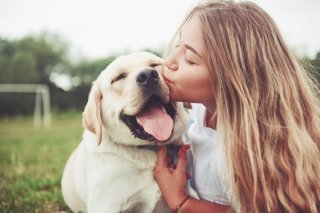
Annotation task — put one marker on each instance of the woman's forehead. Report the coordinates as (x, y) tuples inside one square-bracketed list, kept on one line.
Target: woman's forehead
[(191, 34)]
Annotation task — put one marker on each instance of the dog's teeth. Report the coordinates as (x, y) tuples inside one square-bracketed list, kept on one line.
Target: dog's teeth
[(163, 109)]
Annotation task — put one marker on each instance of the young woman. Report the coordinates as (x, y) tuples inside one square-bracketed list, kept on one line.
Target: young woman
[(255, 134)]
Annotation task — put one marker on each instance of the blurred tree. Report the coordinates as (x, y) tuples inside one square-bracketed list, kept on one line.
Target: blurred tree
[(43, 59), (6, 53), (22, 68), (29, 60), (49, 51), (85, 72), (82, 75), (33, 57)]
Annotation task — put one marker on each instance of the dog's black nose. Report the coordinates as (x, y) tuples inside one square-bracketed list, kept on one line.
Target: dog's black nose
[(147, 77)]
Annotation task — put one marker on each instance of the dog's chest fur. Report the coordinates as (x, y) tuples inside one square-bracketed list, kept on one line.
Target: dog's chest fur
[(122, 170)]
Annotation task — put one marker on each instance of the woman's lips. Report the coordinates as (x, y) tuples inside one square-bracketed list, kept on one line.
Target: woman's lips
[(166, 80)]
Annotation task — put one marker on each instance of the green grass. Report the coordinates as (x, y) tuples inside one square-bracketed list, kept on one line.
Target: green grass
[(32, 161)]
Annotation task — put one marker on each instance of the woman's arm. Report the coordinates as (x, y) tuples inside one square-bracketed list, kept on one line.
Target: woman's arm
[(172, 183)]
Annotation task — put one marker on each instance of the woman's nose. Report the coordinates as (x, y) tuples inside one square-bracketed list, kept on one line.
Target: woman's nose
[(171, 63)]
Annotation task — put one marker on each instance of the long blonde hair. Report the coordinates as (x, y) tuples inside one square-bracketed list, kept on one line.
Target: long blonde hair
[(267, 109)]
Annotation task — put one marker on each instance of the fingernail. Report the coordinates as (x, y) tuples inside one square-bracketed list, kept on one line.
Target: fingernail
[(187, 146), (182, 150)]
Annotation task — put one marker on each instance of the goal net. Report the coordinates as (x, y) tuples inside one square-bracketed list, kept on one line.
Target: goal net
[(41, 92)]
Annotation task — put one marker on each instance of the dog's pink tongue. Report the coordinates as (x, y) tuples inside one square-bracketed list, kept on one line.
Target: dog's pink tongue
[(156, 122)]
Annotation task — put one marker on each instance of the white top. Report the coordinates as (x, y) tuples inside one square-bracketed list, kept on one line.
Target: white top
[(208, 160)]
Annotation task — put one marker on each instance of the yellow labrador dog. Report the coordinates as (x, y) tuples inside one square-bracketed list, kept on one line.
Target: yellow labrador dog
[(127, 115)]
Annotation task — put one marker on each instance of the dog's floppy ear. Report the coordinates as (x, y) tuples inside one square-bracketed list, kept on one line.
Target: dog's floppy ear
[(91, 117)]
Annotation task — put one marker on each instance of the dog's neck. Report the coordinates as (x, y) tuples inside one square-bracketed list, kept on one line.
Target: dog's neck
[(146, 158), (153, 148), (142, 158), (172, 148), (172, 151)]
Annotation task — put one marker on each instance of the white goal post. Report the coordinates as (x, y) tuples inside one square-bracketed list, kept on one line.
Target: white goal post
[(42, 95)]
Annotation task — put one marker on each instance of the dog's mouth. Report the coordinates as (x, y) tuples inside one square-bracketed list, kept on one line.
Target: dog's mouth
[(154, 122)]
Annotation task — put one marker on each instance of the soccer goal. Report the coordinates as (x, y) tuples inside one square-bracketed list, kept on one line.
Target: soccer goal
[(42, 96)]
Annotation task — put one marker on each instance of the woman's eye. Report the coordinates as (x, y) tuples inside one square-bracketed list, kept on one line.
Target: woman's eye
[(189, 62), (119, 77)]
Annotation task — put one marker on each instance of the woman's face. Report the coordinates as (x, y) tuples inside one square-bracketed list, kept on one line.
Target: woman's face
[(186, 72)]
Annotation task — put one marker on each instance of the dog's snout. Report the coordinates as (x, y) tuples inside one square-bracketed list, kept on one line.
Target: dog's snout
[(147, 77)]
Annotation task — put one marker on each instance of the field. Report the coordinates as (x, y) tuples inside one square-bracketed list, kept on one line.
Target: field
[(32, 161)]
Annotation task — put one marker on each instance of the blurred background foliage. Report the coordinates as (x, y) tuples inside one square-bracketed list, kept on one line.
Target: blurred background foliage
[(44, 59)]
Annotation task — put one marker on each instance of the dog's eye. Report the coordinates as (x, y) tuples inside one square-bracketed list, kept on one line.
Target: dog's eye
[(119, 77), (154, 65)]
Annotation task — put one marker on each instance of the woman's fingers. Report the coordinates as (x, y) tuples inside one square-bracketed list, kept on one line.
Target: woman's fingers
[(164, 162), (187, 146), (158, 169), (162, 156), (182, 159)]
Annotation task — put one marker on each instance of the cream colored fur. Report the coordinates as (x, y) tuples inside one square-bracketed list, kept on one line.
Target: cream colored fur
[(108, 173)]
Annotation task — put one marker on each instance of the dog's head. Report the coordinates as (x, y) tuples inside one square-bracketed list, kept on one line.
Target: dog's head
[(130, 103)]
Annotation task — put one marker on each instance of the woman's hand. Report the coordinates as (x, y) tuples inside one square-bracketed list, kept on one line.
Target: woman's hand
[(172, 182)]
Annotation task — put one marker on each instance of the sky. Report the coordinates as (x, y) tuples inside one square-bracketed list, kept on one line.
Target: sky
[(96, 28)]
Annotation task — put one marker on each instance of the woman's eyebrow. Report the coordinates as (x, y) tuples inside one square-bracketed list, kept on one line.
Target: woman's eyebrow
[(193, 50)]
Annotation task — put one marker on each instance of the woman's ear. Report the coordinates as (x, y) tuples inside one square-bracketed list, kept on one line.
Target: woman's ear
[(91, 116)]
